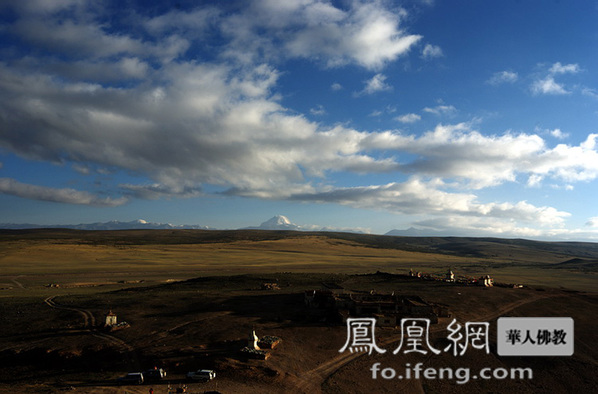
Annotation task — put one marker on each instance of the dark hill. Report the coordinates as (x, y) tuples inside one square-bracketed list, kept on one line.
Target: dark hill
[(578, 264)]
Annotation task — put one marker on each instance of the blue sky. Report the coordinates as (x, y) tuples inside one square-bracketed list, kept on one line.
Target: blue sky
[(453, 117)]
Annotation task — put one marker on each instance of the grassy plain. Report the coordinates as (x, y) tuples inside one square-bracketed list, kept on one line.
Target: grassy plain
[(109, 257)]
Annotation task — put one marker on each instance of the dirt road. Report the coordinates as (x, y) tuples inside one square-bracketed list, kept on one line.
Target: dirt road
[(16, 282)]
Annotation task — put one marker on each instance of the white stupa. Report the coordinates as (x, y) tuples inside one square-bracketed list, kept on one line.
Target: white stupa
[(253, 339)]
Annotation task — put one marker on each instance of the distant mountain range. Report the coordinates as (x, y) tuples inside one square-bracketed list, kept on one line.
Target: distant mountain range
[(278, 222), (112, 225)]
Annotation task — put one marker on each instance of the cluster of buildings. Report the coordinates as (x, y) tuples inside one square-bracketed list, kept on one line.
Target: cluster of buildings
[(333, 303), (484, 280), (388, 309)]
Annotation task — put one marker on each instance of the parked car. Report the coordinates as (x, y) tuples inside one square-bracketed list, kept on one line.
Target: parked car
[(131, 378), (202, 375), (154, 374)]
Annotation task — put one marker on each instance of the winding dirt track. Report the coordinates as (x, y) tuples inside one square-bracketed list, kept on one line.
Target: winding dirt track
[(89, 323), (16, 282), (311, 381), (88, 318)]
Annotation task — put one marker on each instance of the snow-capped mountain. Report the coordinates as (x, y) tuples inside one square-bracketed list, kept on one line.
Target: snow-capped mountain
[(278, 222)]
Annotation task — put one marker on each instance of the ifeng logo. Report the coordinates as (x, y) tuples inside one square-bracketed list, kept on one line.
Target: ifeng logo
[(416, 337), (515, 337)]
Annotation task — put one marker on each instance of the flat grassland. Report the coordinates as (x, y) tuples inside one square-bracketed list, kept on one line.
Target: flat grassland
[(191, 297), (111, 256)]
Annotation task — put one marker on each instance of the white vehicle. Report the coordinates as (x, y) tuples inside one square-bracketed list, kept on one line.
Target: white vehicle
[(131, 378), (202, 375)]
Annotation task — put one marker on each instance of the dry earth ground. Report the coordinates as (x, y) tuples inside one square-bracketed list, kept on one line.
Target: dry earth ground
[(48, 341)]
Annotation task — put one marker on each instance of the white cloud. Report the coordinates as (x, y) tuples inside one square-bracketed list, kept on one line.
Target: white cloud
[(557, 133), (96, 70), (376, 84), (363, 33), (222, 126), (366, 34), (548, 85), (589, 92), (336, 86), (501, 77), (408, 118), (459, 152), (156, 191), (431, 51), (318, 110), (68, 196), (534, 180), (567, 187), (88, 38), (441, 110), (81, 169), (389, 109), (416, 197), (484, 226), (590, 142), (192, 23), (558, 68)]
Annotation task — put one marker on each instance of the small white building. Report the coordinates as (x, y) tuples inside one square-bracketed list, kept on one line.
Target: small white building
[(111, 319)]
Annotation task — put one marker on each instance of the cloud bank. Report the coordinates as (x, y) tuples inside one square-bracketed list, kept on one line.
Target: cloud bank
[(157, 100), (69, 196)]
